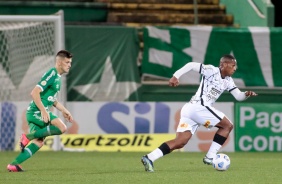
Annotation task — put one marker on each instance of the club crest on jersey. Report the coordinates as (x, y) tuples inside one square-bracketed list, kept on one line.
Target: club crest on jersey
[(43, 83)]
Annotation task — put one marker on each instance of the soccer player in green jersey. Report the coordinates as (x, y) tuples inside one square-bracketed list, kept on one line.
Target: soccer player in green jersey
[(42, 122)]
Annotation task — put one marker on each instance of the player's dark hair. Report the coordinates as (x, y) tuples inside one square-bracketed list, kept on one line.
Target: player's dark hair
[(64, 53), (228, 56)]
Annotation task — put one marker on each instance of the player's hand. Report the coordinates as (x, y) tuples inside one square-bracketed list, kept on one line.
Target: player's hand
[(173, 81), (250, 93), (67, 115), (45, 116)]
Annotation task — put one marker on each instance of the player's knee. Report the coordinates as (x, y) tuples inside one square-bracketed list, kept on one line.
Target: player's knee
[(225, 124), (60, 125), (229, 126), (63, 128)]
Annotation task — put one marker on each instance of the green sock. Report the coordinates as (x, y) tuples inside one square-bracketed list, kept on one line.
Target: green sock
[(26, 154), (44, 132)]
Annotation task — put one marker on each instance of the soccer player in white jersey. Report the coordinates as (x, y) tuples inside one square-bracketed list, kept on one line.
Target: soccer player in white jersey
[(199, 110)]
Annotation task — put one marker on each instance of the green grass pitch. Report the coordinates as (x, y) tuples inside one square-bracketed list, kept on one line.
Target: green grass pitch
[(126, 168)]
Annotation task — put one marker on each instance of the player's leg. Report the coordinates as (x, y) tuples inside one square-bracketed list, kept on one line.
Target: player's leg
[(180, 141), (28, 151), (56, 127), (167, 147), (224, 128), (186, 128)]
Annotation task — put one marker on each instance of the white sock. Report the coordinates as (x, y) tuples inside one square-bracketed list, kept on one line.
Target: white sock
[(156, 154), (213, 150)]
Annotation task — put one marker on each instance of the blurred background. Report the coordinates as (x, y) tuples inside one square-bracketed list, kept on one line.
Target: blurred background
[(124, 53)]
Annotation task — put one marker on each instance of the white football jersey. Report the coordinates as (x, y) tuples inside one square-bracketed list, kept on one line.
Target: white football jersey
[(211, 86)]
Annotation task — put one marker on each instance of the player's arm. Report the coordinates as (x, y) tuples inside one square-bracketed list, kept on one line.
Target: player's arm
[(241, 96), (174, 81), (67, 115), (35, 94)]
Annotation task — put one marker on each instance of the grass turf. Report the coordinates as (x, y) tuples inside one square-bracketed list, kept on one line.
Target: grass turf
[(125, 167)]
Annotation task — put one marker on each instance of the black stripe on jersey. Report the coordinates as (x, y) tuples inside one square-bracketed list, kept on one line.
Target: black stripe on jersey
[(200, 68), (213, 113), (232, 89), (202, 89)]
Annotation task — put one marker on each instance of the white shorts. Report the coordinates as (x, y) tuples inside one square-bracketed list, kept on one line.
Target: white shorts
[(194, 115)]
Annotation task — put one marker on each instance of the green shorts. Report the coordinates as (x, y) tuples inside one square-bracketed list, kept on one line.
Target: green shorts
[(35, 122)]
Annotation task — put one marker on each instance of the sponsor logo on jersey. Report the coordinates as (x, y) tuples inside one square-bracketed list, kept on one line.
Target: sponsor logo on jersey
[(51, 99), (215, 92), (51, 75)]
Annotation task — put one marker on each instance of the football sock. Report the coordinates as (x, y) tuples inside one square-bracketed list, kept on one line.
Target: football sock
[(159, 152), (218, 141), (47, 131), (154, 155), (30, 150)]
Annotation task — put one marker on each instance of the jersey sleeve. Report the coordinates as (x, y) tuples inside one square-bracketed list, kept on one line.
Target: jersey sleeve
[(47, 79), (231, 85), (186, 68), (207, 70)]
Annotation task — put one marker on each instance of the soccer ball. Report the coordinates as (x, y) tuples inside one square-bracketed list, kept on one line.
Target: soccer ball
[(221, 162)]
